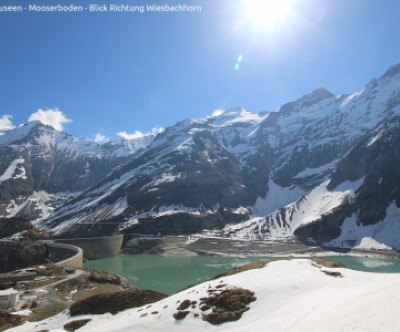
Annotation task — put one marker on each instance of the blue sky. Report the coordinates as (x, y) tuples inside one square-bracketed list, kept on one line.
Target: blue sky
[(127, 72)]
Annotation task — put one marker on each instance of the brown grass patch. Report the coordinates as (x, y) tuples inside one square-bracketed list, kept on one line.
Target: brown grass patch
[(8, 321), (92, 283), (75, 283), (327, 263), (46, 311), (99, 289), (76, 324), (102, 277), (251, 266), (115, 302), (38, 284)]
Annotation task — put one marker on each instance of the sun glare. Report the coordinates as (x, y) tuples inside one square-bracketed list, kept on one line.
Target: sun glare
[(267, 15)]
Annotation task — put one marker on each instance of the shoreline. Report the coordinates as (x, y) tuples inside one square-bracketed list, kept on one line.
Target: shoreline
[(181, 246)]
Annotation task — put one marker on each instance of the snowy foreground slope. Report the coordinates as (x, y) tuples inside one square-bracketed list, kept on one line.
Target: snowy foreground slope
[(292, 295)]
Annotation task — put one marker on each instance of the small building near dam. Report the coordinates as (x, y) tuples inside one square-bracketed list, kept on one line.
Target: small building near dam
[(9, 298)]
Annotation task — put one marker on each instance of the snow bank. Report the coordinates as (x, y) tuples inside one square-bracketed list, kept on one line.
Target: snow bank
[(10, 172), (382, 235), (304, 210)]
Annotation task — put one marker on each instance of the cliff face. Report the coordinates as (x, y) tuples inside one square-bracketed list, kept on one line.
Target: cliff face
[(41, 167), (17, 255), (372, 211), (22, 253), (11, 226)]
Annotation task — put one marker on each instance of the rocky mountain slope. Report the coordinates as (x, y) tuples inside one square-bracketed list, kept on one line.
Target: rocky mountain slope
[(310, 169), (41, 167)]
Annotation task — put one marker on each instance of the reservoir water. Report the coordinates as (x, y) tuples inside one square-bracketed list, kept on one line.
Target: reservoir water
[(171, 274)]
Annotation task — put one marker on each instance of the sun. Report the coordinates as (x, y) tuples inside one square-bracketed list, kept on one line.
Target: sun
[(267, 15)]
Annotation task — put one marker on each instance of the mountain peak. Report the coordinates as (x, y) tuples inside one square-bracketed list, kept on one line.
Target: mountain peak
[(38, 124), (18, 133), (307, 100), (391, 72), (318, 95)]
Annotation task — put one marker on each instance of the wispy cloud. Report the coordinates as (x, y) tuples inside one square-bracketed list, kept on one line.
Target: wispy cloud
[(6, 123), (138, 134), (101, 139), (51, 117)]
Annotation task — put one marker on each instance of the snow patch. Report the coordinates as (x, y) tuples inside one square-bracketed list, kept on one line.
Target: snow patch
[(318, 170), (376, 137), (283, 221), (164, 178), (276, 198), (14, 171), (382, 235), (41, 204)]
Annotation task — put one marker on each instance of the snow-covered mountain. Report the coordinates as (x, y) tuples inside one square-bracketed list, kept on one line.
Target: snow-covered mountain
[(319, 168), (41, 167), (260, 175)]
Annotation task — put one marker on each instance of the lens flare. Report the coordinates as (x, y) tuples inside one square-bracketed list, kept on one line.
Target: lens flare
[(267, 15), (239, 60)]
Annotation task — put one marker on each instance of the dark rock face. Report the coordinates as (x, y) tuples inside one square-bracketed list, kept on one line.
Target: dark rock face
[(11, 226), (183, 223), (377, 159), (139, 246), (16, 255), (327, 227), (52, 162)]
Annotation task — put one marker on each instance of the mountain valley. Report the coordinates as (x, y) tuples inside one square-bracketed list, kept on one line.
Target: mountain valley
[(323, 169)]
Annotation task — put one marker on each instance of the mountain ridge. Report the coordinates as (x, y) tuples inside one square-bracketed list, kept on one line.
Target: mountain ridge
[(240, 173)]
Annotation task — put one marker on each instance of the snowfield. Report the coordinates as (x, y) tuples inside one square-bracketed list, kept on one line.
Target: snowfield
[(292, 295), (10, 171)]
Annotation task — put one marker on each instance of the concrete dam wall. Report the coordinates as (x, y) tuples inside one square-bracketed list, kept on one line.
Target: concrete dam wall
[(97, 247), (65, 254)]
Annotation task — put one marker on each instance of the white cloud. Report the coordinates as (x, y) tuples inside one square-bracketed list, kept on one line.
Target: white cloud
[(100, 138), (218, 112), (54, 118), (138, 134), (125, 135), (156, 131), (6, 123)]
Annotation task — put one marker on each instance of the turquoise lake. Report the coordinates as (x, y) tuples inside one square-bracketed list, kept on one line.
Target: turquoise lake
[(171, 274)]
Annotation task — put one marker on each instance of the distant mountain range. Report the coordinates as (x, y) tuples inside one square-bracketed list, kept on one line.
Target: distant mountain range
[(323, 168)]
